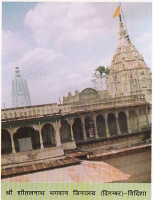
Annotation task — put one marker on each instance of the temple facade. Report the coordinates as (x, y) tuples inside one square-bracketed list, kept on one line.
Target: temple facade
[(117, 118)]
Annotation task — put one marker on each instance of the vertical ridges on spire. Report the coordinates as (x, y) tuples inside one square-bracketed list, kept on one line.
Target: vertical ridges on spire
[(20, 92), (129, 73)]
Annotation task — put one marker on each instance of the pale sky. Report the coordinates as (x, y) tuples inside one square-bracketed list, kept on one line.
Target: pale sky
[(57, 46)]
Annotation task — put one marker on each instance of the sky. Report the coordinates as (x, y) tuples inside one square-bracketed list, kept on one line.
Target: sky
[(57, 46)]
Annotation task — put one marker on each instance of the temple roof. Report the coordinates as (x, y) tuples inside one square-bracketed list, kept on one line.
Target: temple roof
[(87, 171), (126, 55)]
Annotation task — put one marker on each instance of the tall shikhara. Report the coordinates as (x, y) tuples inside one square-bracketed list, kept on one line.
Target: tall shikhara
[(20, 92), (129, 74)]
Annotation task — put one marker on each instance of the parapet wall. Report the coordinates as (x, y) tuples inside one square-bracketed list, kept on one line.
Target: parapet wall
[(33, 112)]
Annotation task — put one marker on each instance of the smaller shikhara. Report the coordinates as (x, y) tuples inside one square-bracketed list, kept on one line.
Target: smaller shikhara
[(20, 92)]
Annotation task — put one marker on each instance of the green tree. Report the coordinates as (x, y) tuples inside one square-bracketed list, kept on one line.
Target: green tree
[(101, 70), (107, 69)]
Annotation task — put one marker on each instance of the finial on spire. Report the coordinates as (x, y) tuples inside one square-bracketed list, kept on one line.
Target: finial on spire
[(122, 30), (17, 71), (16, 67), (121, 23)]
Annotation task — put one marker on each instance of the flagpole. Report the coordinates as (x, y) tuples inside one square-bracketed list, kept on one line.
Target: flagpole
[(124, 20), (129, 39)]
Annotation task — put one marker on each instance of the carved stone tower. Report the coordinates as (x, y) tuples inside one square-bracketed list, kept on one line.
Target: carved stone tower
[(20, 92), (129, 74)]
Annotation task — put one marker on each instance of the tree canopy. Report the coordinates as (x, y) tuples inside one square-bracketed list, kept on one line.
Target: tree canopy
[(101, 70)]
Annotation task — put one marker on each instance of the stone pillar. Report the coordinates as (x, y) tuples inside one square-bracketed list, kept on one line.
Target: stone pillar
[(95, 126), (57, 126), (128, 121), (117, 123), (52, 135), (12, 141), (13, 145), (147, 118), (84, 130), (138, 120), (71, 130), (40, 136), (107, 130)]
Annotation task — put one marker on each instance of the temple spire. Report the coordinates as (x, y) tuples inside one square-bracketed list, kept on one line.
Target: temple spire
[(20, 92), (129, 73)]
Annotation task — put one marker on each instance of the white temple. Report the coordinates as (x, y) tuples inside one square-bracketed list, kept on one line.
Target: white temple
[(20, 92), (112, 125), (129, 74)]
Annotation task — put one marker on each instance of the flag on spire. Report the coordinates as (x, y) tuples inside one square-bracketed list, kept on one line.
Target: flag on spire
[(117, 12)]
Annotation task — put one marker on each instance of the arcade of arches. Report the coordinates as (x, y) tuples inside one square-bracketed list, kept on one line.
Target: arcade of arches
[(112, 125), (86, 127), (6, 142), (101, 127), (77, 129), (28, 134), (122, 122), (48, 135), (89, 127), (65, 132)]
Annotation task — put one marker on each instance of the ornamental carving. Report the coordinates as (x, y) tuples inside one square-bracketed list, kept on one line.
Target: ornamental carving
[(36, 127), (31, 156), (57, 125), (70, 120)]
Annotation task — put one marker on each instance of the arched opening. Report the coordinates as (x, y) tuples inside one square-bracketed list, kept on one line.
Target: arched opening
[(89, 127), (122, 122), (143, 83), (6, 147), (48, 135), (143, 119), (77, 129), (112, 124), (133, 121), (26, 139), (65, 133), (125, 86), (101, 127)]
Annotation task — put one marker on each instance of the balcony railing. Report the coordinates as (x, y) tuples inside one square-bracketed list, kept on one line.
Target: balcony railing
[(55, 109), (108, 103), (34, 111)]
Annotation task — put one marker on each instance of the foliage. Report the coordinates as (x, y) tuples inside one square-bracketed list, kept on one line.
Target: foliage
[(100, 70)]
